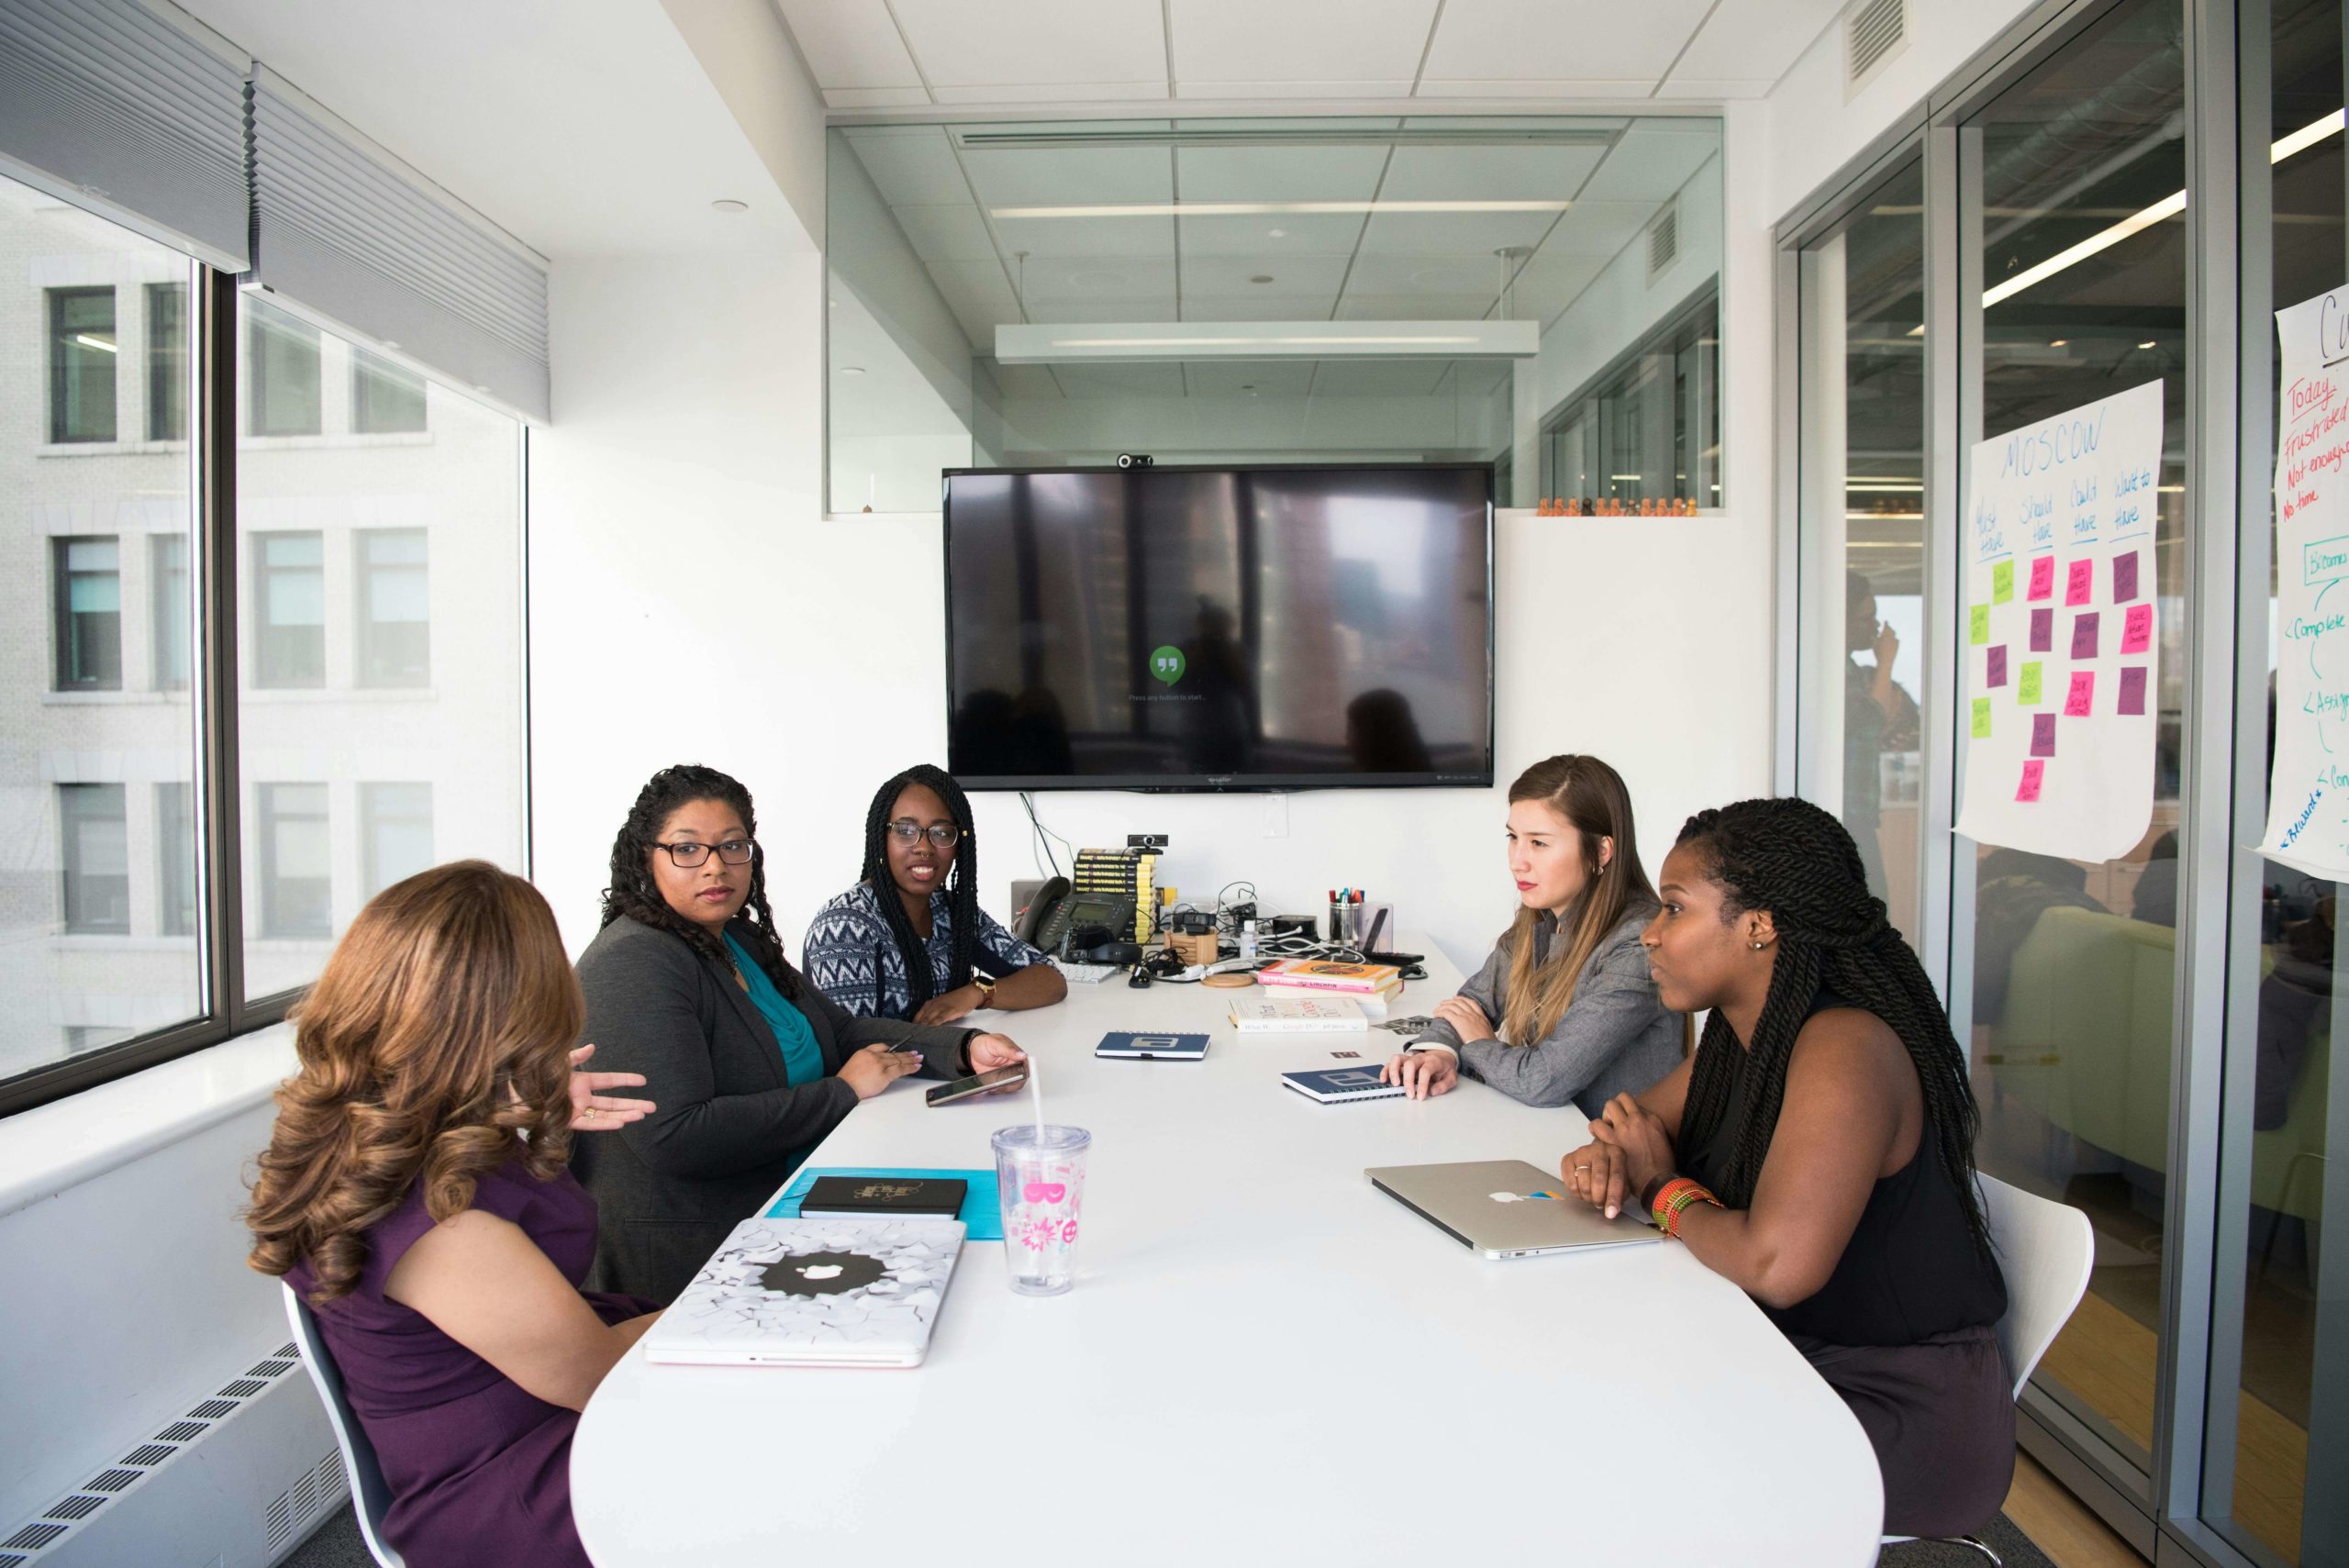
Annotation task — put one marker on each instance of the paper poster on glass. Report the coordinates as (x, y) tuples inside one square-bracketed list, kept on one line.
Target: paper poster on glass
[(2060, 639)]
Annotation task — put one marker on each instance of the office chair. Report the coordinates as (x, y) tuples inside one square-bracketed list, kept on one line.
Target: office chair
[(369, 1496), (2046, 1250)]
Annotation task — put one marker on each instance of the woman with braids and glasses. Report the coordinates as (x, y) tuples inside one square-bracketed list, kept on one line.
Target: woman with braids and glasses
[(910, 940), (687, 984), (1819, 1148)]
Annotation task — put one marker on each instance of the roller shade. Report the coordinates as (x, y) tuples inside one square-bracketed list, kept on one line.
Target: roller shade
[(105, 104), (348, 235)]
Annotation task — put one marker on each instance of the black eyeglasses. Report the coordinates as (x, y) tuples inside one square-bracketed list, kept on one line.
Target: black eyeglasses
[(945, 835), (685, 856)]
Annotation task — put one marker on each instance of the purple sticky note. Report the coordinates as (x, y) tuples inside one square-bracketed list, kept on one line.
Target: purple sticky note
[(2079, 580), (2124, 577), (2043, 578), (2083, 634), (2082, 697), (1997, 674), (2043, 734), (2042, 632), (2033, 773), (2137, 629), (2133, 689)]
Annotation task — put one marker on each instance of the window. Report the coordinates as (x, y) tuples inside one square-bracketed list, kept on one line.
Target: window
[(168, 588), (281, 373), (96, 855), (167, 362), (82, 354), (175, 862), (296, 861), (394, 608), (1648, 427), (290, 636), (385, 399), (396, 827), (88, 576)]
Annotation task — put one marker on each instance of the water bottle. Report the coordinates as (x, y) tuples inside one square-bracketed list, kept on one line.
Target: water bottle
[(1247, 941)]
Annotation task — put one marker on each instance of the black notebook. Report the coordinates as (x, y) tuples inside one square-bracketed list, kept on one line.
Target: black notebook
[(899, 1196)]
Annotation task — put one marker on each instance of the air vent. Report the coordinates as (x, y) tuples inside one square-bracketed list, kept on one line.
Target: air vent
[(149, 1456), (110, 1481), (1874, 31), (34, 1537), (213, 1409), (180, 1431), (320, 1488), (1664, 240), (243, 1388), (80, 1505), (12, 1560)]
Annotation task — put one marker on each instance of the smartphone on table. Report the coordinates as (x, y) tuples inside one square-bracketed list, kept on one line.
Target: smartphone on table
[(978, 1083)]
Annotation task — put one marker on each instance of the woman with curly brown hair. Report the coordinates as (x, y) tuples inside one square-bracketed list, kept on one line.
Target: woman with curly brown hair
[(415, 1192)]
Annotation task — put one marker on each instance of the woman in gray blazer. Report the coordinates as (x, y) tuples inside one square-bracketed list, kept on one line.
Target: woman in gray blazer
[(750, 1065)]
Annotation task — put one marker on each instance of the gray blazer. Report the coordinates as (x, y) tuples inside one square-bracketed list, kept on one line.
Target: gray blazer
[(1614, 1038), (730, 1130)]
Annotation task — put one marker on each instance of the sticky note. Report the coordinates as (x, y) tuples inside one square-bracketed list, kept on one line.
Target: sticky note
[(2002, 581), (2084, 627), (2079, 580), (2133, 689), (2124, 577), (2082, 697), (1978, 625), (2035, 773), (2137, 629), (2042, 632), (2027, 692), (2043, 734), (2043, 578), (1981, 718)]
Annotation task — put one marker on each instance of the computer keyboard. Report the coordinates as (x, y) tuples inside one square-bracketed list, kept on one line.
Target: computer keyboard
[(1086, 973)]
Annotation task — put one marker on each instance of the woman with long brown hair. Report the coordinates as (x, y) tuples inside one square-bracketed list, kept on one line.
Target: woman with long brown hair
[(1563, 1010), (415, 1191)]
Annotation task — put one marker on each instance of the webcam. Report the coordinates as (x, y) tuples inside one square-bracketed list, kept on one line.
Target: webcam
[(1134, 460)]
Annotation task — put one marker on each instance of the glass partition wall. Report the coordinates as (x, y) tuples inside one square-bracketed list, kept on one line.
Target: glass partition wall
[(2120, 193)]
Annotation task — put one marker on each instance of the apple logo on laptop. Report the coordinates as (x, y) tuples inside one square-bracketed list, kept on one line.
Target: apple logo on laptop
[(822, 1274)]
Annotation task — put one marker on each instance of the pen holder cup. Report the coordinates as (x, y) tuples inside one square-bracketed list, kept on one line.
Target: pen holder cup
[(1345, 923)]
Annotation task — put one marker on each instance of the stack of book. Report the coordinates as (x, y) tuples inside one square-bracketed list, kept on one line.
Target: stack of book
[(1370, 986), (1307, 1012), (1123, 874)]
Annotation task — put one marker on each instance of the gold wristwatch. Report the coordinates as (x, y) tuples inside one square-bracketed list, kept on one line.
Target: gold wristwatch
[(985, 983)]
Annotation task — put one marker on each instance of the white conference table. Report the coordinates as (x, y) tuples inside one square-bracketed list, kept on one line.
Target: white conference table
[(1265, 1360)]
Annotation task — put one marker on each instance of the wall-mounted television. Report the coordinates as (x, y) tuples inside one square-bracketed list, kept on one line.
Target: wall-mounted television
[(1282, 627)]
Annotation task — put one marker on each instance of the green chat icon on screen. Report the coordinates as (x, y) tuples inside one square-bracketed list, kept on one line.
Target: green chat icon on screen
[(1167, 664)]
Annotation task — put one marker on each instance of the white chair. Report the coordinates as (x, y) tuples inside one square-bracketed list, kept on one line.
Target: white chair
[(369, 1496), (2046, 1250)]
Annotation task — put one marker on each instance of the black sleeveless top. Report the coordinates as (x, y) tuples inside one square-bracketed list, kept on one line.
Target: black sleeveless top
[(1910, 1270)]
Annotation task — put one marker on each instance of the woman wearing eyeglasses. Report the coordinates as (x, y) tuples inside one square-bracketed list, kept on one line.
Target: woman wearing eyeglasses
[(687, 984), (909, 940)]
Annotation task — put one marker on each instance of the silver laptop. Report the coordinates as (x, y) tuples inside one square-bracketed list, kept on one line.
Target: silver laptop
[(1506, 1208), (851, 1291)]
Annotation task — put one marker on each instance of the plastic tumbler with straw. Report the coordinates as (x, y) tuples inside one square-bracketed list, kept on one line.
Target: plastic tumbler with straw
[(1039, 1174)]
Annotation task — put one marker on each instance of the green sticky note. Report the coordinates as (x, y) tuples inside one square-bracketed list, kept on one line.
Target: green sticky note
[(2002, 581), (1978, 625), (2027, 692), (1981, 718)]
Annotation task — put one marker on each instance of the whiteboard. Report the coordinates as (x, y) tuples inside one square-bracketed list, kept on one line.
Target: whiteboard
[(2060, 696)]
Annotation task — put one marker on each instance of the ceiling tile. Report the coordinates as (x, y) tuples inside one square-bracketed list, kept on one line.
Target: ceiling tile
[(1299, 234), (1041, 237), (1316, 40), (1314, 278), (946, 233), (1022, 380), (1249, 308), (1567, 88), (1452, 233), (1653, 158), (1475, 275), (874, 98), (1070, 176), (1119, 381), (851, 43), (1279, 173), (1121, 278), (1464, 307), (1144, 310), (1377, 378), (1054, 92), (1748, 39), (1489, 174), (1515, 40), (1599, 228), (963, 44), (1551, 282), (976, 289), (911, 165), (1249, 378)]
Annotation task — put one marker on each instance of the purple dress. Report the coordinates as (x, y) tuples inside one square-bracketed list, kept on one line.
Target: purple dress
[(479, 1470)]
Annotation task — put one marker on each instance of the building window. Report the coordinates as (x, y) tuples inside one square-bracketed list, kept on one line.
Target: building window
[(167, 560), (175, 860), (394, 608), (396, 832), (295, 861), (167, 362), (82, 354), (282, 375), (1648, 427), (290, 639), (87, 573), (96, 856), (385, 399)]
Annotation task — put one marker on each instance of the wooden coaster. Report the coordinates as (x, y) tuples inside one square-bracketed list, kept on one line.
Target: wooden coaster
[(1230, 980)]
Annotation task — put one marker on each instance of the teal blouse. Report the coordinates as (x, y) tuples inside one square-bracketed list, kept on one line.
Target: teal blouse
[(802, 1061)]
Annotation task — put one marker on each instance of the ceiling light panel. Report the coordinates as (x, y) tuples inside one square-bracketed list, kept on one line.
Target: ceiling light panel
[(1135, 341)]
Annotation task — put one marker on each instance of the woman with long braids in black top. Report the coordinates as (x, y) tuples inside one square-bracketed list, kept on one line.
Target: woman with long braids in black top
[(1818, 1149), (687, 984), (910, 940)]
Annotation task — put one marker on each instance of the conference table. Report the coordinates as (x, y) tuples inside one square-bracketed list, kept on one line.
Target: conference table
[(1265, 1359)]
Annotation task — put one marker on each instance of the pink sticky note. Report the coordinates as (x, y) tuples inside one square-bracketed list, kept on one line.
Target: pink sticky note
[(2079, 579), (2043, 578), (2137, 629), (2033, 771), (2042, 632), (2133, 689), (2043, 734), (2124, 577), (2084, 628), (2082, 695), (1998, 670)]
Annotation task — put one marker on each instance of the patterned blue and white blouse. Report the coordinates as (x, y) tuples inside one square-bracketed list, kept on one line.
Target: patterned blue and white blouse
[(852, 957)]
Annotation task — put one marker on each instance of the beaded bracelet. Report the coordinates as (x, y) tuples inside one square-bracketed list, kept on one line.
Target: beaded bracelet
[(1676, 1197)]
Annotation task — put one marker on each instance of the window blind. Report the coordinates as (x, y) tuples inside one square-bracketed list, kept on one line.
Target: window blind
[(347, 234), (109, 104)]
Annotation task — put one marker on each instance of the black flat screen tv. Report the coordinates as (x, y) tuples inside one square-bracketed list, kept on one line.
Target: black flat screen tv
[(1278, 628)]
